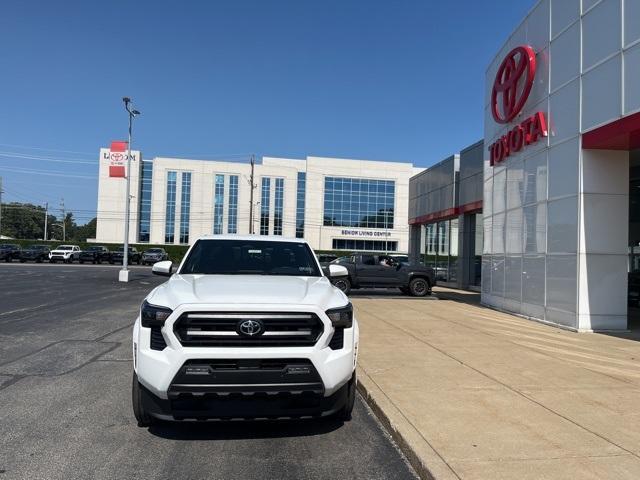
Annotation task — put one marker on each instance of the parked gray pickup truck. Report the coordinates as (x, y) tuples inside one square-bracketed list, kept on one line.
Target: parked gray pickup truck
[(367, 270)]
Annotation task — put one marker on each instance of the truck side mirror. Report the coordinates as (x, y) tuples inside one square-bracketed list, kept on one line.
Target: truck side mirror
[(338, 271), (164, 268)]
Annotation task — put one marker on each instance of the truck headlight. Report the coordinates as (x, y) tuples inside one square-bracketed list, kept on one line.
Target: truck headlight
[(153, 316), (341, 317)]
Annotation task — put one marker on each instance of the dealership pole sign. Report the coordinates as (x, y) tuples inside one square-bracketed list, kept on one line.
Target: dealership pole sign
[(117, 158), (511, 89)]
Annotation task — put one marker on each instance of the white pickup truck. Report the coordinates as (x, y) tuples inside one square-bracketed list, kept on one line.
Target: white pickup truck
[(247, 328), (65, 253)]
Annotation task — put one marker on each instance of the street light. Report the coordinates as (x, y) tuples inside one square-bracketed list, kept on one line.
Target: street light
[(124, 273)]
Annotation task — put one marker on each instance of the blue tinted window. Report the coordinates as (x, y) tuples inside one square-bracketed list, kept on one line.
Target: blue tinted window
[(300, 203), (144, 225), (278, 207), (232, 223), (170, 214), (218, 204), (358, 202), (365, 245), (185, 207), (264, 205)]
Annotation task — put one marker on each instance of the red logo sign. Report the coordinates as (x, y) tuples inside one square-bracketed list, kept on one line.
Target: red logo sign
[(529, 131), (513, 83)]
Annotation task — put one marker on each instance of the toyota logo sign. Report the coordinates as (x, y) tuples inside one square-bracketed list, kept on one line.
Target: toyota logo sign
[(513, 83), (250, 328), (511, 89)]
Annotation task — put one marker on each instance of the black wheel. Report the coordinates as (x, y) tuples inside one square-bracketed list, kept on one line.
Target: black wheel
[(38, 260), (345, 412), (142, 416), (138, 262), (51, 260), (419, 287), (22, 260), (110, 262), (343, 284), (7, 259), (81, 261), (98, 261)]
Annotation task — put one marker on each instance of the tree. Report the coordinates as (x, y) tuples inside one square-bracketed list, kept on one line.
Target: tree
[(86, 231), (24, 220)]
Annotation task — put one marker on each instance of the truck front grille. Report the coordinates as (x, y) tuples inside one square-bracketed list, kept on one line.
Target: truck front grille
[(222, 329)]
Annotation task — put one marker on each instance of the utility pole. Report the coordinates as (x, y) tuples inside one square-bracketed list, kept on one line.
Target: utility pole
[(46, 215), (252, 186), (64, 221), (0, 207)]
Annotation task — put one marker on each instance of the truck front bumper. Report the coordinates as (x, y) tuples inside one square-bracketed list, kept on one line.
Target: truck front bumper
[(181, 382)]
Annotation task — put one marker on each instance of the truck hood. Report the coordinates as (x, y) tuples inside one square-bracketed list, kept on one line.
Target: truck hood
[(244, 290), (61, 251)]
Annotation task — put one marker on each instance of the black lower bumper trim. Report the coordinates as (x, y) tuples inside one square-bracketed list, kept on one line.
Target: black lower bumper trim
[(180, 390), (243, 405)]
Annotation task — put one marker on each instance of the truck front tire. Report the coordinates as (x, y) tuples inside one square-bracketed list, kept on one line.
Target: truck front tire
[(142, 416), (343, 284), (419, 287), (346, 411)]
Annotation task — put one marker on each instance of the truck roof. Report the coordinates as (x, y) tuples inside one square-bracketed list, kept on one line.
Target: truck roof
[(255, 238)]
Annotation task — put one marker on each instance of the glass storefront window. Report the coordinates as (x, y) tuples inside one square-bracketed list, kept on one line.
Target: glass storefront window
[(476, 273), (441, 249)]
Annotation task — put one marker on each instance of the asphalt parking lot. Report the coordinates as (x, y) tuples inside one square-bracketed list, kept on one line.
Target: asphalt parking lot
[(65, 376)]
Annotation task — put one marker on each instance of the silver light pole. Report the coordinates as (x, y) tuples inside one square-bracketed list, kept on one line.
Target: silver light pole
[(124, 273)]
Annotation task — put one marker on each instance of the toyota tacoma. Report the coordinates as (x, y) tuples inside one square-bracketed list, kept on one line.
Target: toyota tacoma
[(385, 271), (247, 328), (65, 253)]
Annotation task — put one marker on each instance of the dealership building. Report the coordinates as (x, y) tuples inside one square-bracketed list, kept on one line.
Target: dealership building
[(335, 204), (560, 172)]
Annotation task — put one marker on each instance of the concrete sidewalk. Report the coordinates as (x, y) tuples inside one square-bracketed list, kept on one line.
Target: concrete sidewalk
[(471, 393)]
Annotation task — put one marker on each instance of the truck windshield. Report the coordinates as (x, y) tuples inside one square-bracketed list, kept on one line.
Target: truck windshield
[(250, 257)]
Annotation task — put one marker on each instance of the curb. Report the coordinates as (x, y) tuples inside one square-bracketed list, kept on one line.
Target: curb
[(423, 458)]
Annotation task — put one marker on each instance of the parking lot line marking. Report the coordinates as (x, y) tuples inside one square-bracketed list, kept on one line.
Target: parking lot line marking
[(24, 309)]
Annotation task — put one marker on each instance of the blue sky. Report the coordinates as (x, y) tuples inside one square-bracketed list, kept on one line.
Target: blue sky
[(396, 80)]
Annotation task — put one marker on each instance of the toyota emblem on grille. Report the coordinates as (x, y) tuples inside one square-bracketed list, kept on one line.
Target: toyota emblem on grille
[(250, 328)]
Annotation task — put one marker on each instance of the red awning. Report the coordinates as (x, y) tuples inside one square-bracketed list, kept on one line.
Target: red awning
[(622, 134)]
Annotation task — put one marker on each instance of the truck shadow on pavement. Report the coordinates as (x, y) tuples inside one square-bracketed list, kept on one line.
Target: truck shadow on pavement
[(244, 430)]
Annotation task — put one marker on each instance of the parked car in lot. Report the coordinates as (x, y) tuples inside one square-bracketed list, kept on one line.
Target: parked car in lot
[(35, 253), (65, 253), (9, 252), (154, 255), (366, 270), (247, 328), (95, 254), (117, 256)]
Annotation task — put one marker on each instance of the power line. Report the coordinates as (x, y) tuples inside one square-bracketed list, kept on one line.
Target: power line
[(41, 148), (47, 173), (46, 159)]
